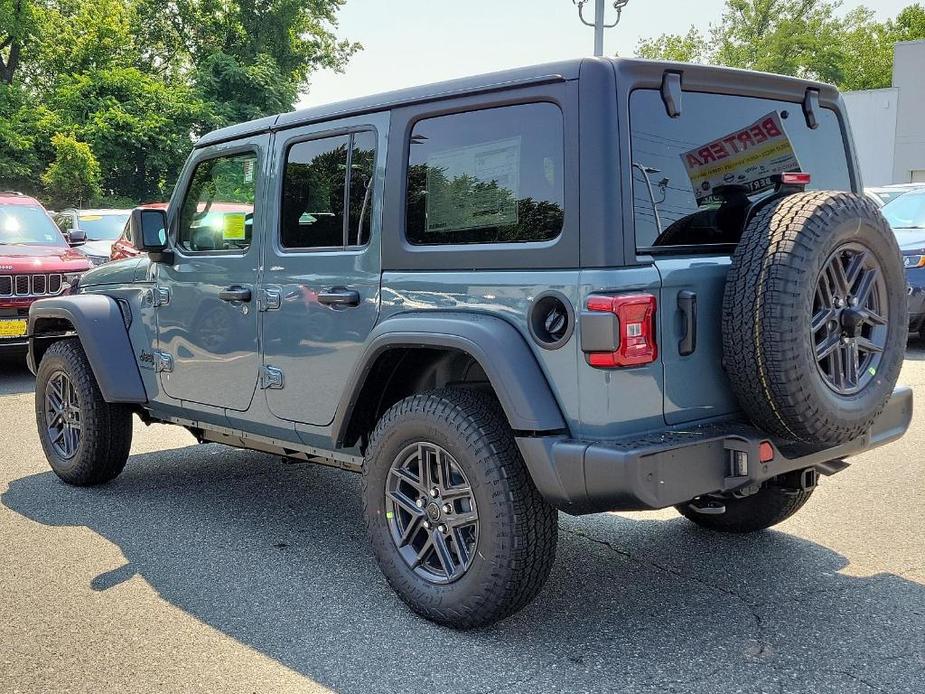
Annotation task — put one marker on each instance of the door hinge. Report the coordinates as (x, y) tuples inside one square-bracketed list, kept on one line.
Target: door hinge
[(161, 296), (271, 378), (269, 299), (163, 362)]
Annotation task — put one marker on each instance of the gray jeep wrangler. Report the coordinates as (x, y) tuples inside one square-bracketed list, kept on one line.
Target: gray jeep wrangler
[(597, 285)]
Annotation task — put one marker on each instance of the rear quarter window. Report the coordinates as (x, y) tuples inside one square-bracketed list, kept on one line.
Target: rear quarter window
[(695, 176), (487, 177)]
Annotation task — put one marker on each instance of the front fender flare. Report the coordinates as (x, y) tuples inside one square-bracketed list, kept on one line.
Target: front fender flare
[(498, 347), (100, 326)]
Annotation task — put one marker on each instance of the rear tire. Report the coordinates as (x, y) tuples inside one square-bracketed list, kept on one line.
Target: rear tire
[(86, 439), (769, 506), (495, 534)]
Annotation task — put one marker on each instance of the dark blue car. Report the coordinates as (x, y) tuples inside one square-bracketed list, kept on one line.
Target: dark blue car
[(906, 214)]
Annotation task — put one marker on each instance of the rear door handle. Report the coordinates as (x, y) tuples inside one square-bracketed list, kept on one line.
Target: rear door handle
[(235, 294), (687, 303), (339, 296)]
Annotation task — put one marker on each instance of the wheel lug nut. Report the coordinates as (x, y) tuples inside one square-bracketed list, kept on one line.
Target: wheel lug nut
[(426, 525), (447, 508), (442, 528), (420, 502), (434, 492)]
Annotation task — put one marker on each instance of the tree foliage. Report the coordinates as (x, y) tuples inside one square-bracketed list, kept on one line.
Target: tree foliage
[(804, 38), (73, 177), (136, 81)]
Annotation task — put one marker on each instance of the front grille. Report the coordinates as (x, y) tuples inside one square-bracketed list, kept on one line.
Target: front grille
[(31, 285)]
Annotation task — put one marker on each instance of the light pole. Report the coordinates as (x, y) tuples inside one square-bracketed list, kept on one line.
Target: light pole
[(599, 22)]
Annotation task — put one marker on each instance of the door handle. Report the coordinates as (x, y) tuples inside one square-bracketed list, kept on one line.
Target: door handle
[(687, 303), (339, 296), (235, 294)]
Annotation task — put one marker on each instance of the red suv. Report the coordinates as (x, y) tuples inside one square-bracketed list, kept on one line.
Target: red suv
[(36, 261)]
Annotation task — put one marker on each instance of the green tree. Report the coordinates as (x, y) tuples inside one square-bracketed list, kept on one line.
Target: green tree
[(804, 38), (246, 59), (17, 23), (74, 175)]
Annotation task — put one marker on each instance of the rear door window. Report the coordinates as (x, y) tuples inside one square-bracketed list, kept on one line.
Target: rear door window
[(695, 176)]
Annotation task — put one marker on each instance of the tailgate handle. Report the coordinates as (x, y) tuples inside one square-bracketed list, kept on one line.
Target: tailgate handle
[(687, 303)]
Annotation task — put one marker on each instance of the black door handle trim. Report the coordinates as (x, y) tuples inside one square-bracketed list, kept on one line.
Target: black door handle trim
[(339, 296), (687, 303), (235, 294)]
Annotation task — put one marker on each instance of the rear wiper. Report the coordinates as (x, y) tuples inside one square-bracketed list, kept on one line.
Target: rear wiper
[(914, 227)]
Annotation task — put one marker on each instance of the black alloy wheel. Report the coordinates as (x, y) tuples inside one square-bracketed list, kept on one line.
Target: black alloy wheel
[(850, 317), (432, 513), (62, 415)]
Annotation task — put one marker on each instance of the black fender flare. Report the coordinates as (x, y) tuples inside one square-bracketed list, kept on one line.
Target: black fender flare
[(497, 346), (100, 327)]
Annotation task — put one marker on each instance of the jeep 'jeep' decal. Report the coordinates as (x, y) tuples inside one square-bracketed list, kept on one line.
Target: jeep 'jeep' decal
[(748, 157)]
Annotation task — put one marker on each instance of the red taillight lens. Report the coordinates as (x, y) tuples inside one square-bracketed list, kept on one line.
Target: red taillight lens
[(797, 178), (636, 316)]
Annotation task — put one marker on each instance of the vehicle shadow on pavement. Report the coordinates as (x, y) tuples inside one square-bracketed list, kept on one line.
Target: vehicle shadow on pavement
[(14, 376), (275, 556)]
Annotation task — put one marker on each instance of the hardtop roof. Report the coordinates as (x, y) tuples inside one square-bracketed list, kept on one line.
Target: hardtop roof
[(548, 72)]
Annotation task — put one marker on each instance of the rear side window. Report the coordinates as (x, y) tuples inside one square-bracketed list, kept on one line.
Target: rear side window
[(695, 176), (327, 192), (489, 176)]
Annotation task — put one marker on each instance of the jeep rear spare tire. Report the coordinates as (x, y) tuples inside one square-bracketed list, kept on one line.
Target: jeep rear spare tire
[(814, 317)]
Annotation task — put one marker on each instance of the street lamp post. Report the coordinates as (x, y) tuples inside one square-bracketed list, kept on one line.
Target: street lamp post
[(599, 22)]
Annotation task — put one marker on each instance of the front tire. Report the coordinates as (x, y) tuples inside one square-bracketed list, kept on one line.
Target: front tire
[(455, 522), (86, 439)]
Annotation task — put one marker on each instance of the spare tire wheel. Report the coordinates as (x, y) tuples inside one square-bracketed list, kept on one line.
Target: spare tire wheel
[(814, 317)]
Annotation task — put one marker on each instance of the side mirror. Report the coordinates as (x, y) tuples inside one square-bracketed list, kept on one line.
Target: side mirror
[(149, 232), (76, 237)]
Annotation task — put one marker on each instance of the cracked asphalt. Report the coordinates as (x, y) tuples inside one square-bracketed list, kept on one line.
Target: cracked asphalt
[(205, 569)]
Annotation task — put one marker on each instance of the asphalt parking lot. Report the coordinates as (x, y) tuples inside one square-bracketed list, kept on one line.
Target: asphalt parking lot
[(207, 569)]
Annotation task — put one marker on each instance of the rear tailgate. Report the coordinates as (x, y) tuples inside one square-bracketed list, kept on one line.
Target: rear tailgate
[(695, 176)]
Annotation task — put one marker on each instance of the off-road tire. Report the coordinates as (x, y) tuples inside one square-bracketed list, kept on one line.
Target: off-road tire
[(106, 429), (769, 506), (768, 344), (517, 528)]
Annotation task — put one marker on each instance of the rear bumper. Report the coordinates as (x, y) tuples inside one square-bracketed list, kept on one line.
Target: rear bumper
[(672, 466)]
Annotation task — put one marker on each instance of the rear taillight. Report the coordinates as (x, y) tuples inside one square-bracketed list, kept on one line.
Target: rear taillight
[(796, 178), (635, 327)]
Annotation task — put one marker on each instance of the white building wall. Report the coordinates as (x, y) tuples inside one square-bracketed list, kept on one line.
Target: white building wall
[(872, 114), (909, 80)]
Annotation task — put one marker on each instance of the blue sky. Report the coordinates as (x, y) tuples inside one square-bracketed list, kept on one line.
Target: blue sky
[(409, 42)]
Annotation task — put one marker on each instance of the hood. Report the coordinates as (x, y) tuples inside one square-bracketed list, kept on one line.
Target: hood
[(125, 271), (34, 259), (97, 248), (910, 239)]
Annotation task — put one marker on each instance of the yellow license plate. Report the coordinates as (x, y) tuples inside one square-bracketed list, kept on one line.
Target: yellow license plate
[(12, 328)]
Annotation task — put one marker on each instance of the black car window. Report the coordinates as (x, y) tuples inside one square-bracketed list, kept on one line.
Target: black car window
[(327, 192), (218, 211), (489, 176), (695, 176)]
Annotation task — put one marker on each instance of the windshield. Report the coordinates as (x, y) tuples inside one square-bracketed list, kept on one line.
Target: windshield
[(26, 225), (906, 212), (103, 227), (887, 196)]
